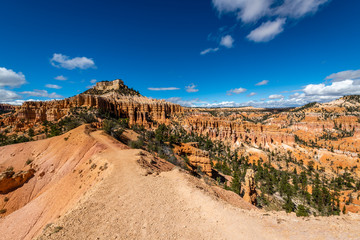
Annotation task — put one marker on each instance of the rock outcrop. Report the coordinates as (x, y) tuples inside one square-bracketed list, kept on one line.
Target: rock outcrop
[(197, 157), (9, 180), (6, 107), (115, 99), (237, 131), (139, 110), (249, 187), (116, 86)]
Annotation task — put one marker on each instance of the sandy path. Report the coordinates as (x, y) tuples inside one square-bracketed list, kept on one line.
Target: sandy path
[(129, 204)]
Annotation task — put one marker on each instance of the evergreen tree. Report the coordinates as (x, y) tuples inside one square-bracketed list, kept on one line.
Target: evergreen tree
[(302, 211)]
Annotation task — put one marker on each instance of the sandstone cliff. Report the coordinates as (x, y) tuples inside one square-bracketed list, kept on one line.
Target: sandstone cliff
[(237, 132), (6, 107), (197, 157), (116, 99), (9, 180), (250, 194)]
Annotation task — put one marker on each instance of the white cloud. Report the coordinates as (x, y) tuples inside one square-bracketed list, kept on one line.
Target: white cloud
[(299, 8), (62, 61), (236, 91), (345, 87), (42, 93), (191, 88), (251, 94), (53, 86), (310, 93), (93, 81), (186, 103), (315, 93), (276, 96), (14, 102), (209, 50), (267, 31), (163, 89), (227, 41), (264, 82), (9, 78), (344, 75), (222, 104), (246, 10), (250, 11), (61, 78), (6, 95)]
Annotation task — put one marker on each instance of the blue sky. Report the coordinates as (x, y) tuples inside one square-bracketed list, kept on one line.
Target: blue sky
[(267, 53)]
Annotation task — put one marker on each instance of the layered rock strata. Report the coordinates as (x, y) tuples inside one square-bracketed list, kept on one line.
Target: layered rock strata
[(238, 131), (139, 110), (197, 157)]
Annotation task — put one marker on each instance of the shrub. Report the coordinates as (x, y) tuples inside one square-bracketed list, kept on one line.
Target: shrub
[(28, 161), (109, 126), (137, 144), (302, 211), (31, 132)]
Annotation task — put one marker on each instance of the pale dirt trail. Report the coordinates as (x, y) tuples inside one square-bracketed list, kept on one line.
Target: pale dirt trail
[(130, 204)]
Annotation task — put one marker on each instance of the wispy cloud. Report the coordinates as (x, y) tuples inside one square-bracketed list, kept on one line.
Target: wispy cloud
[(62, 61), (267, 31), (163, 89), (264, 11), (93, 81), (191, 88), (262, 83), (53, 86), (42, 93), (61, 78), (299, 8), (276, 96), (7, 95), (251, 94), (344, 75), (209, 50), (186, 103), (236, 91), (246, 10)]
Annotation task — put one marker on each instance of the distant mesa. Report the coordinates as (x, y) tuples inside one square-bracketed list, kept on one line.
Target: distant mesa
[(113, 97), (117, 86)]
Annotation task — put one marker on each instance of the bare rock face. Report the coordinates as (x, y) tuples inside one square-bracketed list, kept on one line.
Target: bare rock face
[(109, 86), (9, 180), (238, 131), (6, 107), (250, 193), (117, 86), (197, 157), (115, 98)]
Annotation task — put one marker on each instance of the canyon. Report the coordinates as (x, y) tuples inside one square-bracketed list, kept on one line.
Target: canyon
[(50, 176)]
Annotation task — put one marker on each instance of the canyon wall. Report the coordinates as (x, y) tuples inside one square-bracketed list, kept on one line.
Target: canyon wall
[(139, 110), (237, 131), (6, 107)]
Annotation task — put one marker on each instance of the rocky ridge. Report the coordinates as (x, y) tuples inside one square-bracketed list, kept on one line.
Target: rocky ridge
[(111, 97)]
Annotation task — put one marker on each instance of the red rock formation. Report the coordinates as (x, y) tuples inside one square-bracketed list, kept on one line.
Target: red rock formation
[(196, 156), (9, 180), (237, 131), (6, 107), (249, 187), (139, 110)]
